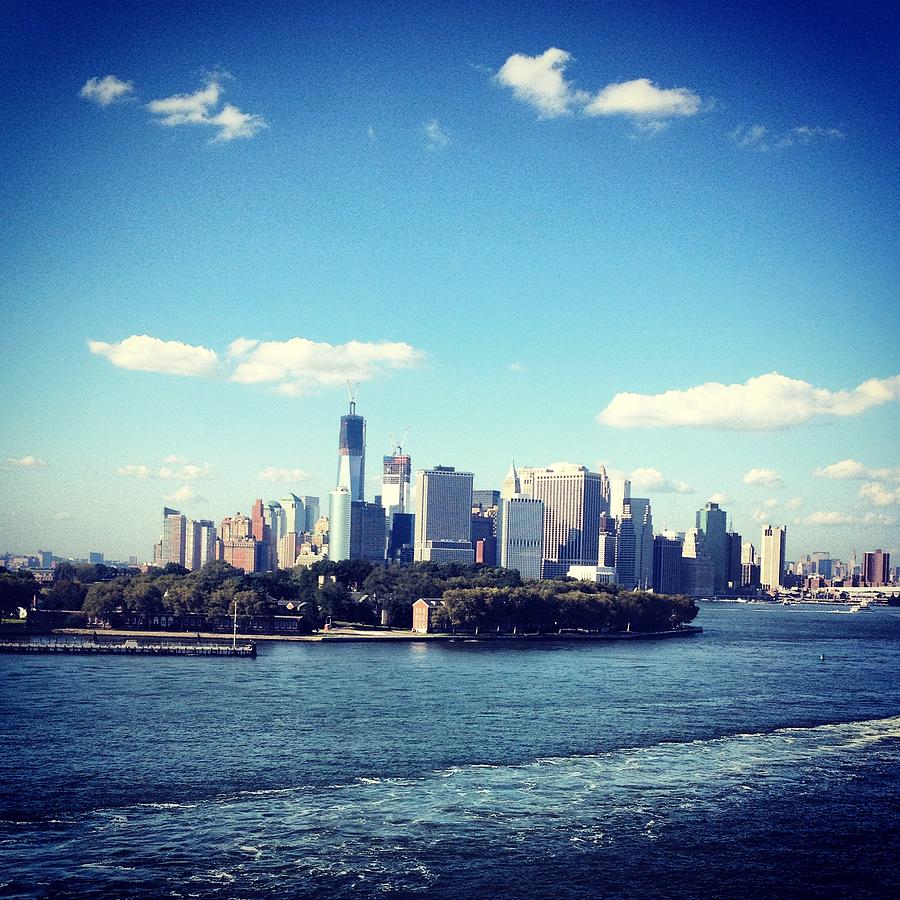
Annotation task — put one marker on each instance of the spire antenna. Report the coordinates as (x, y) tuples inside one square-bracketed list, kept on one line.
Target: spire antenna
[(352, 393)]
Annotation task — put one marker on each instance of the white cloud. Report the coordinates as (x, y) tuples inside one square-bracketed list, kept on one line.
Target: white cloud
[(27, 462), (174, 458), (653, 480), (61, 516), (198, 109), (184, 494), (540, 82), (852, 469), (143, 353), (295, 367), (838, 518), (232, 123), (794, 503), (105, 91), (186, 472), (879, 495), (771, 503), (175, 468), (718, 497), (763, 403), (767, 477), (759, 137), (516, 367), (286, 476), (300, 363), (642, 99), (435, 135), (134, 470)]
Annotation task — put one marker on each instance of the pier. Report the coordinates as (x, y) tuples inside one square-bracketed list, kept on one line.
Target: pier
[(128, 648)]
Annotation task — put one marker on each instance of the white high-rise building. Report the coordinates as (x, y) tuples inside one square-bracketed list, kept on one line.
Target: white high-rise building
[(771, 573), (520, 535), (443, 531), (512, 484), (199, 544), (274, 516), (573, 501), (395, 483), (294, 515), (339, 524)]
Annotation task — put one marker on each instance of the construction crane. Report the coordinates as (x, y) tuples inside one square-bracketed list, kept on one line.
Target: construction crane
[(397, 446), (353, 393)]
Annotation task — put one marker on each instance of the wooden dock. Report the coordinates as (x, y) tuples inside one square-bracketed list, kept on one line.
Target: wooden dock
[(127, 648)]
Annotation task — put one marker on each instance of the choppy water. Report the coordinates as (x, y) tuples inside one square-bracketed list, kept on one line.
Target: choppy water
[(733, 764)]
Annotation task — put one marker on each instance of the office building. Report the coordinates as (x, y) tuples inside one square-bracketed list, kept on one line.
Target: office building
[(698, 573), (294, 515), (876, 568), (443, 515), (520, 535), (733, 545), (512, 484), (367, 531), (485, 499), (484, 535), (634, 544), (400, 540), (395, 481), (95, 558), (199, 544), (275, 517), (572, 505), (712, 522), (352, 453), (771, 573), (339, 524), (606, 547), (667, 560), (312, 514), (173, 537)]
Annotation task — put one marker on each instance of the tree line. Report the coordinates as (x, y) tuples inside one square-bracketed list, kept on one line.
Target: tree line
[(353, 591)]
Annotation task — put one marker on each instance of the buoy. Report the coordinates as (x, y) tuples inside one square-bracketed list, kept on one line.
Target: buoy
[(822, 657)]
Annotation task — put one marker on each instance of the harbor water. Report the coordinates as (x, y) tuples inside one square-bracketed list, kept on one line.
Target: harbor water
[(736, 763)]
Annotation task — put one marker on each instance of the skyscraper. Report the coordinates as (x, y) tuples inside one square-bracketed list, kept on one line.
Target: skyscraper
[(395, 483), (876, 569), (712, 521), (173, 537), (572, 504), (367, 531), (512, 485), (199, 544), (771, 573), (352, 453), (339, 524), (520, 535), (667, 575), (294, 515), (696, 566), (311, 509), (443, 515)]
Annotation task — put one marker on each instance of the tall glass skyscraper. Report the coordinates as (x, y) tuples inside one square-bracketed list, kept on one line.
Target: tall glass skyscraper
[(352, 454)]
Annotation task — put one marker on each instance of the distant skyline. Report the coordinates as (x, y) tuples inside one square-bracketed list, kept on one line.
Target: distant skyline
[(661, 240)]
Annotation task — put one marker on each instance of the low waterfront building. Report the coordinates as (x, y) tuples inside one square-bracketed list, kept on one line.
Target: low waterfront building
[(424, 613)]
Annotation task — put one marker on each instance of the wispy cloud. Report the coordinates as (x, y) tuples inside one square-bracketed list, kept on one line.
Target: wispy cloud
[(285, 476), (794, 503), (435, 134), (174, 468), (761, 138), (851, 469), (718, 497), (839, 518), (104, 91), (764, 477), (540, 81), (764, 403), (185, 494), (649, 479), (516, 367), (879, 495), (199, 108), (144, 353), (27, 462)]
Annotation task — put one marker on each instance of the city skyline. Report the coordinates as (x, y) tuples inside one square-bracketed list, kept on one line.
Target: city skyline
[(475, 215)]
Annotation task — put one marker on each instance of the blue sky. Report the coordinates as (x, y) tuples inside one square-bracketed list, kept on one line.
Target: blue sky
[(522, 216)]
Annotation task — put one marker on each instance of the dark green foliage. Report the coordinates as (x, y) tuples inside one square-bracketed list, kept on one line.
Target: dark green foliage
[(16, 589)]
